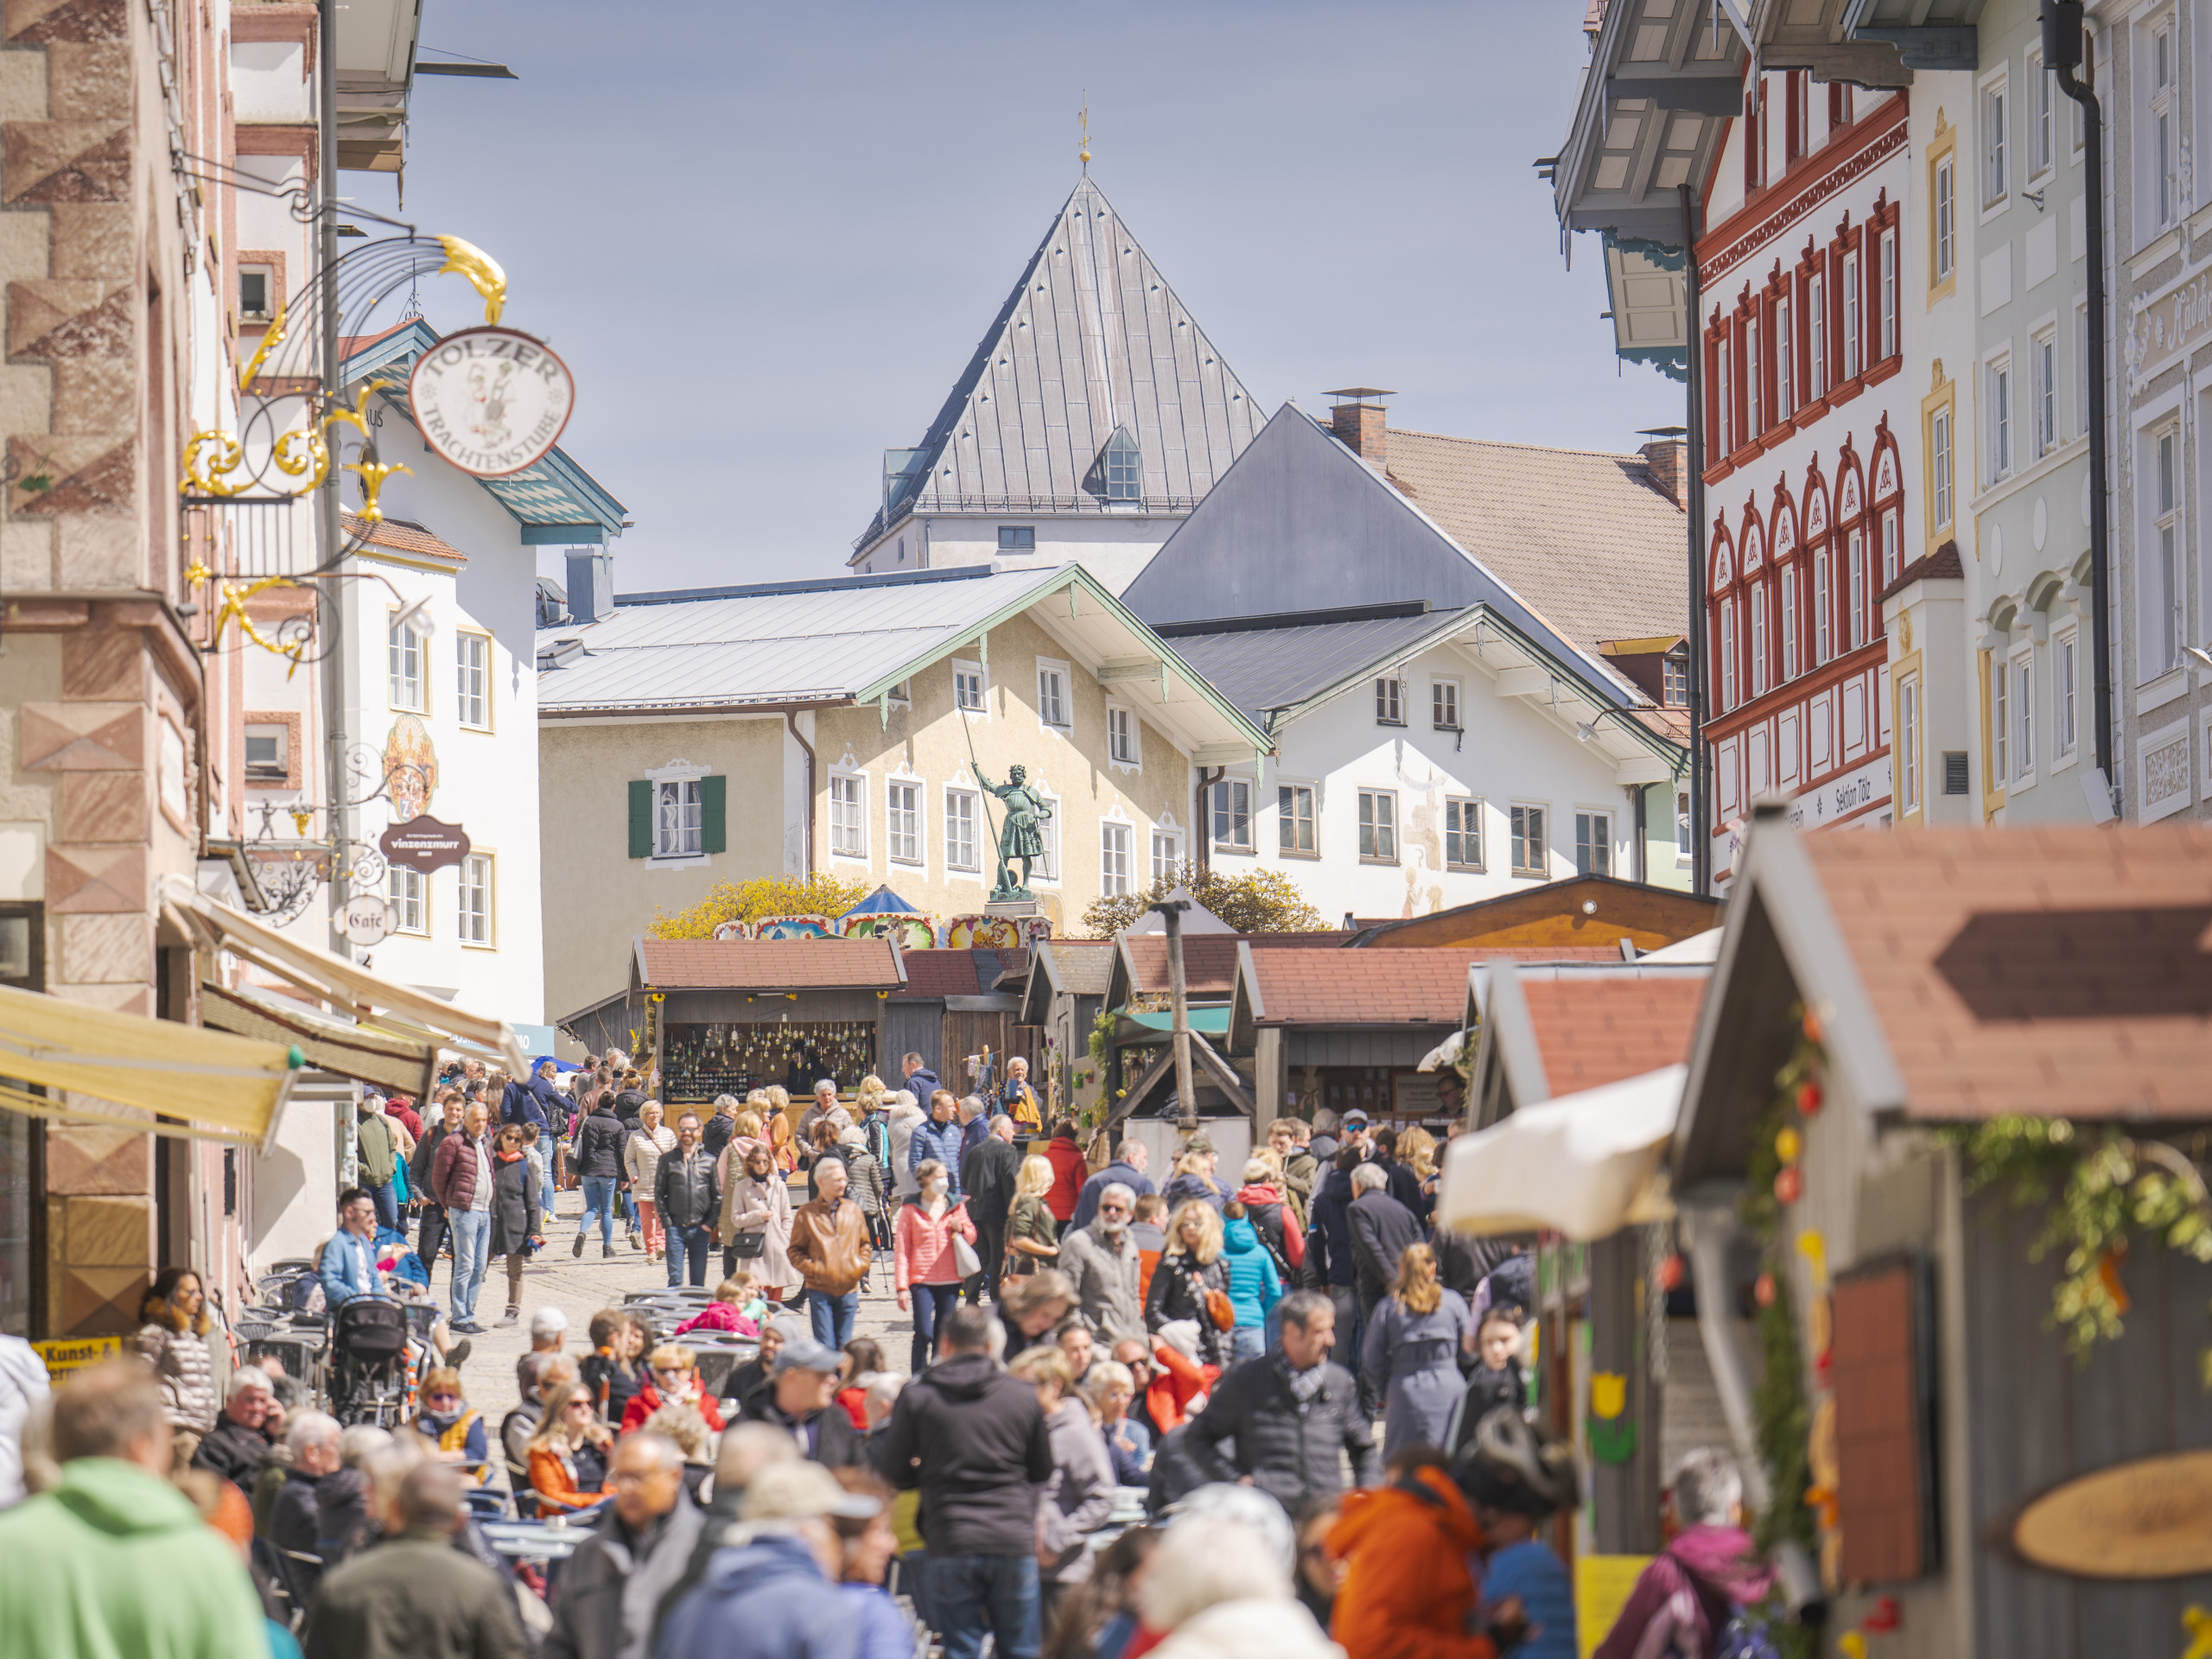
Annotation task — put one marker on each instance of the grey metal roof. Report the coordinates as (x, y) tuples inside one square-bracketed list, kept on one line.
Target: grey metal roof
[(1259, 669), (1091, 338)]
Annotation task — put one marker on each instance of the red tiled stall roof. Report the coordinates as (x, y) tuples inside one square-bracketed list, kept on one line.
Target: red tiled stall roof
[(769, 964), (932, 974), (1595, 1031), (2058, 971), (1363, 988), (1209, 962)]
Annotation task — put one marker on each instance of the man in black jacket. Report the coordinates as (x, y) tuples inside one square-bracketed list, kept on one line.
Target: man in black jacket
[(690, 1197), (804, 1405), (599, 1160), (974, 1440), (1381, 1229), (1290, 1413), (430, 1236), (752, 1386), (1404, 1185), (986, 1176), (239, 1444)]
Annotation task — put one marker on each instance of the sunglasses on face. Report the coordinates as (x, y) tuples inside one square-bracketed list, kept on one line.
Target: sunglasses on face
[(443, 1396), (579, 1405)]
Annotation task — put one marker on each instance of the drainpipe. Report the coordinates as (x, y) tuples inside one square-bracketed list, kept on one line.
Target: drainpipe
[(1694, 497), (806, 856), (2062, 31)]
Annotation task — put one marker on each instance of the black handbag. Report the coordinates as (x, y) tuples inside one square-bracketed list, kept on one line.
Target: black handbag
[(748, 1246)]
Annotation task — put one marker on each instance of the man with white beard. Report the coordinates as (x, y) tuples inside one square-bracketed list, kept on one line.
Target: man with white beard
[(1103, 1261)]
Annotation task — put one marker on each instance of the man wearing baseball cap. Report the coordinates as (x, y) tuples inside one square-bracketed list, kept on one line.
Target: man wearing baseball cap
[(771, 1592), (802, 1402)]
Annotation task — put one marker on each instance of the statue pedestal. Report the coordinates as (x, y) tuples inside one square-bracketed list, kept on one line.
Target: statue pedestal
[(1013, 909)]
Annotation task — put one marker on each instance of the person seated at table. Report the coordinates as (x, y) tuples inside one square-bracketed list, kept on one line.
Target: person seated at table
[(569, 1453), (730, 1311), (673, 1380), (615, 1367), (452, 1425)]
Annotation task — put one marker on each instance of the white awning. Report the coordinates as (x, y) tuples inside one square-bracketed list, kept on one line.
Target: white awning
[(400, 1010), (1583, 1164)]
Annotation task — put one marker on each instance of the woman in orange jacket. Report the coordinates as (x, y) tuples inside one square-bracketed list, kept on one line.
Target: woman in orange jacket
[(1409, 1592)]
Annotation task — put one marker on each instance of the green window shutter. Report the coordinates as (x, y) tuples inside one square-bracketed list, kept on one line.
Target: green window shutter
[(714, 813), (641, 818)]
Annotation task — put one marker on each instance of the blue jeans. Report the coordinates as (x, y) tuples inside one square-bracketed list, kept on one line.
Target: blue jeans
[(545, 1198), (833, 1317), (687, 1243), (387, 1203), (1248, 1342), (472, 1240), (599, 1200), (932, 1303), (969, 1594)]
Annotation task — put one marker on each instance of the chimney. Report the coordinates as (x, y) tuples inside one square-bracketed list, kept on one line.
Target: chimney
[(1666, 456), (1362, 426), (591, 584)]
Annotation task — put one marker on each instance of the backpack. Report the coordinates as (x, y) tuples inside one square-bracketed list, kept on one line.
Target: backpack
[(1746, 1637)]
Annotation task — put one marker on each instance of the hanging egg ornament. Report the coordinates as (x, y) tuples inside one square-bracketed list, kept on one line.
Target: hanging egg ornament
[(1809, 1097), (1790, 1184), (1812, 1025), (1788, 1145), (1763, 1290), (1670, 1273)]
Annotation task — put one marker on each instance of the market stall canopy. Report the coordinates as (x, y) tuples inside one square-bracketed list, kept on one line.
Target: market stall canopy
[(398, 1011), (1583, 1164), (884, 902), (406, 1066), (221, 1087)]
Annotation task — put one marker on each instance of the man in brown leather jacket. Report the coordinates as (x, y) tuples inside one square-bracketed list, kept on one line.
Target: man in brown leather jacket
[(830, 1247)]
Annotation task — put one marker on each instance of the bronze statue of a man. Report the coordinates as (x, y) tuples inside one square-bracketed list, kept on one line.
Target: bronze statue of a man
[(1022, 835)]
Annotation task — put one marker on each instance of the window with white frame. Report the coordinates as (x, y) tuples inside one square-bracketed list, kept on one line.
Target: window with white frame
[(961, 809), (1724, 399), (1389, 701), (2043, 391), (676, 819), (1756, 600), (1048, 862), (902, 821), (268, 753), (2064, 666), (1295, 827), (1378, 826), (1852, 337), (1674, 678), (1166, 855), (2165, 118), (1817, 333), (1947, 219), (1939, 466), (1114, 877), (900, 695), (1785, 358), (1888, 275), (1463, 834), (1893, 549), (1785, 578), (405, 889), (1121, 736), (2000, 379), (2024, 716), (2041, 137), (403, 667), (2162, 582), (1593, 843), (1754, 382), (1444, 705), (1823, 610), (969, 683), (1996, 180), (1052, 692), (473, 679), (848, 815), (1727, 655), (2000, 720), (476, 899), (1232, 815), (1909, 744), (1528, 843), (1855, 568)]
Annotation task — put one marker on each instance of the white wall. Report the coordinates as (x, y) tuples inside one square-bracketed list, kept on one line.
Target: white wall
[(1114, 547)]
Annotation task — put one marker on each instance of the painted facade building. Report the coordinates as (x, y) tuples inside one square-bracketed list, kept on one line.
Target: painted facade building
[(1093, 417)]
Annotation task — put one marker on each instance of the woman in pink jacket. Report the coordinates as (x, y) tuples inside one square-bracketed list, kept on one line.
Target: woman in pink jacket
[(929, 1277)]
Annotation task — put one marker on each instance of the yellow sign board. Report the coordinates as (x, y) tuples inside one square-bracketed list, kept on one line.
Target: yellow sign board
[(1602, 1584), (2149, 1519), (76, 1353)]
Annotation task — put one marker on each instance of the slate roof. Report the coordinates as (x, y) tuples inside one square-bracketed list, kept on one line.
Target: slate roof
[(768, 964), (1259, 669), (1091, 338), (1581, 535), (1083, 967), (1600, 1030)]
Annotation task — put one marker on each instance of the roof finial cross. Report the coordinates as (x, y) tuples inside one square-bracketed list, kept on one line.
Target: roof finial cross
[(1082, 153)]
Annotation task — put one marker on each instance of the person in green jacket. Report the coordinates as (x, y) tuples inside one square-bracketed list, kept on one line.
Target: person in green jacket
[(415, 1596), (377, 1147), (114, 1560)]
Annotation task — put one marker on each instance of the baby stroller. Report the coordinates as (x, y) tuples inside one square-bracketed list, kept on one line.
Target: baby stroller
[(372, 1364)]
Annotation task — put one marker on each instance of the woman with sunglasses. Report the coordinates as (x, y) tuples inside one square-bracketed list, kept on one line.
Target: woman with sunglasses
[(569, 1453), (671, 1379), (514, 1212)]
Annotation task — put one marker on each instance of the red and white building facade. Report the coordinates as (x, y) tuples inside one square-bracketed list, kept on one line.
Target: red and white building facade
[(1804, 279)]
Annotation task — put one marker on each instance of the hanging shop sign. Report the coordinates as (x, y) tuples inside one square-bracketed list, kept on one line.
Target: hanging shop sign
[(424, 844), (367, 919), (2150, 1519), (491, 401)]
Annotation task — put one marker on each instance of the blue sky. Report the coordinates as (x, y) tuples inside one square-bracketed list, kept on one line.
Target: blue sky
[(767, 239)]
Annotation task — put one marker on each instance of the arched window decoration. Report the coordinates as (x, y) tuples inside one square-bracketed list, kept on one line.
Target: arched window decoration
[(1854, 593), (1724, 560), (1887, 500), (1118, 474), (1752, 541)]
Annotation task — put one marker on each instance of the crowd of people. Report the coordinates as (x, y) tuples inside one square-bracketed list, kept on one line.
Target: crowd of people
[(1138, 1414)]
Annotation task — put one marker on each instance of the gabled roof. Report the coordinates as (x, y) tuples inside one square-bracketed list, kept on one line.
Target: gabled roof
[(1553, 913), (850, 640), (1374, 987), (1141, 966), (1556, 1031), (556, 501), (2058, 971), (1065, 968), (934, 975), (1091, 339), (769, 964), (403, 536), (1262, 668)]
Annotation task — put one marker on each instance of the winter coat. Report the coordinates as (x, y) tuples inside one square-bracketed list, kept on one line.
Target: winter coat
[(182, 1366), (1030, 1218), (922, 1244), (1178, 1287), (863, 1180), (1278, 1227), (1531, 1571), (1409, 1593), (557, 1477), (903, 1119), (415, 1596), (1693, 1585), (713, 1134), (1079, 1495), (684, 1188), (343, 1526), (974, 1440), (1253, 1285), (115, 1561), (515, 1220), (377, 1144), (641, 1154), (234, 1451), (649, 1399), (1332, 1216), (424, 1165), (1071, 1169), (627, 1104), (23, 1383), (599, 1143), (612, 1384), (518, 1104), (1381, 1229), (719, 1316), (452, 1174), (1412, 1362), (1182, 1189), (612, 1585), (1086, 1204), (921, 1085), (296, 1526), (1290, 1448), (753, 1206), (1107, 1275), (829, 1245), (765, 1599), (828, 1435), (1249, 1629), (988, 1174), (1300, 1171), (1486, 1392), (930, 1139)]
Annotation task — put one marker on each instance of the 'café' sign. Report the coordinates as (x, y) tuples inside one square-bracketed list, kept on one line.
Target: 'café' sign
[(423, 843), (2150, 1519)]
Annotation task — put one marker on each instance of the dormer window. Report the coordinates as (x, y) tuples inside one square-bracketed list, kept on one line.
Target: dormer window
[(1118, 474), (1676, 686)]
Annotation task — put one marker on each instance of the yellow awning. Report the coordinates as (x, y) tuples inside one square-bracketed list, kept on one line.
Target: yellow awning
[(223, 1088), (406, 1066), (399, 1009)]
